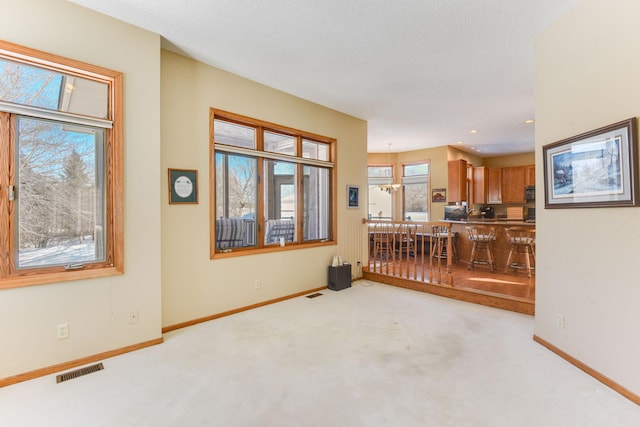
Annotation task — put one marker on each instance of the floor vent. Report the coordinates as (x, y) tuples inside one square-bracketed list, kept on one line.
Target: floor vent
[(317, 294), (79, 372)]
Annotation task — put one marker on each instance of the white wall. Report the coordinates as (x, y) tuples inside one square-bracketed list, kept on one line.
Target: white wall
[(97, 309), (586, 77), (195, 286)]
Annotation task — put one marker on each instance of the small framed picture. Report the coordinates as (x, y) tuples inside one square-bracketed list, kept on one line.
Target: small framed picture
[(439, 195), (183, 186), (353, 196)]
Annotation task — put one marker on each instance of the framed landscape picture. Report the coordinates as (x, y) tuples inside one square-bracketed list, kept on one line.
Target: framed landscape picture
[(594, 169), (438, 195)]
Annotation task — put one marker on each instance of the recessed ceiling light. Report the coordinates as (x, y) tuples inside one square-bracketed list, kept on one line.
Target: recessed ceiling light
[(473, 131), (459, 142), (529, 121)]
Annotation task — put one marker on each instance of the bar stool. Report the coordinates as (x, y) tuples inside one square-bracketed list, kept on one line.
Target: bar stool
[(522, 252), (481, 238), (439, 238)]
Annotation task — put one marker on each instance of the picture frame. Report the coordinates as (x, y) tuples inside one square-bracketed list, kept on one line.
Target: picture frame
[(595, 169), (353, 196), (183, 186), (438, 195)]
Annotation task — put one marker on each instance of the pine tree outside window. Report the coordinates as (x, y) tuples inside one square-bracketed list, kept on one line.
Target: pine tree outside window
[(60, 169)]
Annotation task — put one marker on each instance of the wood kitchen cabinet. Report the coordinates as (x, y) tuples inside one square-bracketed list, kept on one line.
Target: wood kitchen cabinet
[(487, 185), (530, 176), (494, 189), (513, 184), (457, 182)]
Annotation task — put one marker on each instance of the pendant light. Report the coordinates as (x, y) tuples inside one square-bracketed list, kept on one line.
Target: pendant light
[(390, 186)]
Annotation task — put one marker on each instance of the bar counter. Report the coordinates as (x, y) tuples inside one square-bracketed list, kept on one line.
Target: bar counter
[(499, 248)]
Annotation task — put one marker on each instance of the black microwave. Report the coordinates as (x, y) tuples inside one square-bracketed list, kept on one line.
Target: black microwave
[(530, 193), (455, 213)]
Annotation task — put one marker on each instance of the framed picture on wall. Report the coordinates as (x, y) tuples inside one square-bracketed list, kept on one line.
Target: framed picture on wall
[(353, 196), (183, 186), (593, 169), (439, 195)]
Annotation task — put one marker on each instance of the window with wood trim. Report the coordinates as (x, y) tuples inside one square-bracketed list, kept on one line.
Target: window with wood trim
[(415, 191), (380, 191), (272, 186), (60, 168)]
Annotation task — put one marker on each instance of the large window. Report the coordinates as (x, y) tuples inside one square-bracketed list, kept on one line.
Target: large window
[(415, 184), (273, 186), (60, 171), (380, 192)]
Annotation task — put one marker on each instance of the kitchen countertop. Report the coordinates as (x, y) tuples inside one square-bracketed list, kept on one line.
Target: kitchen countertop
[(492, 221)]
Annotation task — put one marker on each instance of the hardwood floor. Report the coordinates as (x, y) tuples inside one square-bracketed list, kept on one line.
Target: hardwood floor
[(515, 284), (512, 291)]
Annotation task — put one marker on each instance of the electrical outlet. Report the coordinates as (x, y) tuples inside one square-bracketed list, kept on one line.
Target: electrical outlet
[(62, 331), (257, 284), (133, 317), (561, 321)]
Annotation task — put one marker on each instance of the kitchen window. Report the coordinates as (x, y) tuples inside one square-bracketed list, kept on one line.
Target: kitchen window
[(60, 169), (380, 180), (273, 186), (415, 184)]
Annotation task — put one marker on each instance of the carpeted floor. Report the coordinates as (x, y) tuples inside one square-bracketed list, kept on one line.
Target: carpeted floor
[(369, 355)]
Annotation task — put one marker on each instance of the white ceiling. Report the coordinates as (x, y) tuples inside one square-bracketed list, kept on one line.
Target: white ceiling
[(423, 73)]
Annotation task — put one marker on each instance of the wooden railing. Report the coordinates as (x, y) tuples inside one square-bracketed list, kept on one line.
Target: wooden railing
[(412, 250)]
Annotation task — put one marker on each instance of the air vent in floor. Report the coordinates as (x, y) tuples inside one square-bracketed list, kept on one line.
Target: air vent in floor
[(79, 372), (317, 294)]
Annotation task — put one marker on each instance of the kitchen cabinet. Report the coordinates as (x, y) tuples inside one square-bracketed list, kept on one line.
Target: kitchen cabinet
[(487, 185), (513, 183), (530, 176), (494, 189), (480, 185), (457, 182)]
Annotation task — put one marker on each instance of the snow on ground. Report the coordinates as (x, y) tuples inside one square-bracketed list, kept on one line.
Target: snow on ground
[(64, 253)]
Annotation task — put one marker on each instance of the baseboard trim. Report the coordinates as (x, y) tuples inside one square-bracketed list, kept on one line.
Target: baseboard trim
[(75, 363), (237, 310), (595, 374)]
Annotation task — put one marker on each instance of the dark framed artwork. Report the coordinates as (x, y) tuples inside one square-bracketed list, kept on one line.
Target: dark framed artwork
[(438, 195), (353, 196), (183, 186), (594, 169)]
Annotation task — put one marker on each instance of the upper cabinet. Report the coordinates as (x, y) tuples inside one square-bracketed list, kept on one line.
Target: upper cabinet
[(487, 185), (457, 182), (513, 184), (530, 176)]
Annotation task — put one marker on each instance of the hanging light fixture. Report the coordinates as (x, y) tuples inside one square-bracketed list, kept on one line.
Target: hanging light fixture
[(390, 186)]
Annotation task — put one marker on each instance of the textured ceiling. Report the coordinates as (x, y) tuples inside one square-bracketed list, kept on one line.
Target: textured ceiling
[(423, 73)]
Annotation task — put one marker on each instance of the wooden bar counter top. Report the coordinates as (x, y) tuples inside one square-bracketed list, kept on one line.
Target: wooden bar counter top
[(500, 248)]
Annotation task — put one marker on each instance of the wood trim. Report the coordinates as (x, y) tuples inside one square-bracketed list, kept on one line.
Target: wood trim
[(116, 168), (57, 277), (113, 264), (518, 305), (237, 310), (4, 382), (6, 136), (260, 154), (245, 120), (588, 370)]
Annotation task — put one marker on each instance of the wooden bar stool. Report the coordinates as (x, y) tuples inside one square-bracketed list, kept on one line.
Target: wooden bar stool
[(481, 238), (439, 238), (522, 252)]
